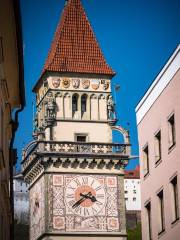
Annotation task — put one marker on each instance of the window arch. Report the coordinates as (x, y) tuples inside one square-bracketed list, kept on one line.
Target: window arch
[(83, 103), (75, 103)]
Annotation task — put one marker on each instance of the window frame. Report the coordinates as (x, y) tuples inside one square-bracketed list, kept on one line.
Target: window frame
[(158, 146), (76, 97), (145, 154), (171, 131), (160, 197), (147, 206), (175, 198)]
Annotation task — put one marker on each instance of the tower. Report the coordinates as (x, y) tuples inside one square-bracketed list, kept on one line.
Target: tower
[(75, 172)]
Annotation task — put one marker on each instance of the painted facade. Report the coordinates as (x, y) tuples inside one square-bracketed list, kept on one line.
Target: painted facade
[(158, 118), (11, 99), (75, 172)]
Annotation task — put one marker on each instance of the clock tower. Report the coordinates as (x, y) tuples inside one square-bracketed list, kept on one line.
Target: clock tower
[(74, 170)]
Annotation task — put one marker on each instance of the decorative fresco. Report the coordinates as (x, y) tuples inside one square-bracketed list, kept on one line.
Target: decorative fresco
[(37, 210), (83, 203)]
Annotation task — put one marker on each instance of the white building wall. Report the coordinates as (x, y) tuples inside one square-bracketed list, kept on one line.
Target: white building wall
[(21, 201), (132, 194)]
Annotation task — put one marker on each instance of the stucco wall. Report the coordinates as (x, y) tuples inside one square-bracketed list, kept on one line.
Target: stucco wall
[(159, 175), (97, 132)]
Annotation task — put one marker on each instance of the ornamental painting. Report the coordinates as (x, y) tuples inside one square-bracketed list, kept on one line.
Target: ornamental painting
[(65, 82), (95, 84), (37, 210), (85, 83), (84, 203), (56, 82), (76, 82)]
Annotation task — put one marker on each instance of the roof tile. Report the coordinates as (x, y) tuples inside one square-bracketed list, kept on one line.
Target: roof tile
[(74, 47)]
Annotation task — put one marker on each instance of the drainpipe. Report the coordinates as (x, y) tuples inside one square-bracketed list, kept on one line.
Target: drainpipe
[(15, 123)]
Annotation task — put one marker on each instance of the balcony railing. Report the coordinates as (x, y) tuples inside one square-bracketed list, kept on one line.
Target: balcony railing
[(75, 150)]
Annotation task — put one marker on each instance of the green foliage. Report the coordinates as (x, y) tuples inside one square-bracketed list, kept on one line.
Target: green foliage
[(134, 234), (21, 232)]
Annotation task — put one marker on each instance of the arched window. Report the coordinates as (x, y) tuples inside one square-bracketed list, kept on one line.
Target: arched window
[(83, 104), (75, 103)]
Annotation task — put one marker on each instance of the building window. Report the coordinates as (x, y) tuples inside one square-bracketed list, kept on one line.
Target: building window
[(75, 103), (161, 219), (134, 199), (126, 199), (158, 146), (171, 131), (174, 197), (146, 160), (83, 104), (126, 192), (148, 220), (134, 191), (81, 138)]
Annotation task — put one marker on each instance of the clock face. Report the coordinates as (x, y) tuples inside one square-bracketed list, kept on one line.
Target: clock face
[(85, 196), (84, 203)]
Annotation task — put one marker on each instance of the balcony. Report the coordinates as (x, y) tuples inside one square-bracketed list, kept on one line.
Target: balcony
[(74, 150)]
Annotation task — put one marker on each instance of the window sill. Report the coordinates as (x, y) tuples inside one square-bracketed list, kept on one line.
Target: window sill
[(175, 222), (158, 162), (161, 233), (171, 148)]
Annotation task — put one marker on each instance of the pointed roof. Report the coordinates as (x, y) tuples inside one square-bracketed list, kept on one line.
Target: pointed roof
[(74, 47)]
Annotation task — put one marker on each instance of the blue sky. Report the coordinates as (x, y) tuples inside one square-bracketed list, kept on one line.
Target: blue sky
[(136, 36)]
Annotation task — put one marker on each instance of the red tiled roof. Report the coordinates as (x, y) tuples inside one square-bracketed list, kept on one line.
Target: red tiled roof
[(75, 48), (133, 174)]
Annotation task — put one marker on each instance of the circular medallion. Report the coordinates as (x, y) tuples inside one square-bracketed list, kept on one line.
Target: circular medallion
[(76, 82), (95, 84), (85, 83), (66, 82), (56, 82), (85, 196)]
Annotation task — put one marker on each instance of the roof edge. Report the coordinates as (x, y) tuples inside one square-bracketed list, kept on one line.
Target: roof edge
[(158, 85)]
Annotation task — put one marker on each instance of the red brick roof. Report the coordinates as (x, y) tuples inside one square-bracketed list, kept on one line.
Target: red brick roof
[(133, 174), (75, 48)]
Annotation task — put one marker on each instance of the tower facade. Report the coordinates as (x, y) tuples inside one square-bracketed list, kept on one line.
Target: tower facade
[(74, 171)]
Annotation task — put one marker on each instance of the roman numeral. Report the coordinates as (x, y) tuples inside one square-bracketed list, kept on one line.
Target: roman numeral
[(78, 209), (70, 187), (99, 203), (98, 188), (86, 212), (100, 196), (92, 182), (85, 180), (77, 182), (94, 210), (70, 195), (72, 202)]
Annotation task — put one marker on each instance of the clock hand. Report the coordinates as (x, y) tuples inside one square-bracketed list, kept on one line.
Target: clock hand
[(90, 196), (84, 197)]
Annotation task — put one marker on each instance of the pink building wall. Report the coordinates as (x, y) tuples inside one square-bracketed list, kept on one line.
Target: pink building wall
[(152, 116)]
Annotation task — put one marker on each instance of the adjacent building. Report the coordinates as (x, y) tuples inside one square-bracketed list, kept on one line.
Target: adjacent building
[(132, 189), (132, 194), (21, 200), (11, 99), (158, 120)]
